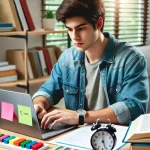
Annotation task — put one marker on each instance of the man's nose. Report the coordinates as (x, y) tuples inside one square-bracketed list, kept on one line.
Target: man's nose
[(75, 35)]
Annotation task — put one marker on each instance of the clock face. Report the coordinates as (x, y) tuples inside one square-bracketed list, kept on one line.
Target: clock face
[(102, 140)]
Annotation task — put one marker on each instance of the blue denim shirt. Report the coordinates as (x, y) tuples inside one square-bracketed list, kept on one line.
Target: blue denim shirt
[(124, 77)]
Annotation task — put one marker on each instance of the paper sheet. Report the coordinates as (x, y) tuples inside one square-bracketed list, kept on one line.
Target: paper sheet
[(80, 138)]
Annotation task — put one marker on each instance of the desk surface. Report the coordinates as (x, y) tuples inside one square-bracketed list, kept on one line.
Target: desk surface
[(51, 147)]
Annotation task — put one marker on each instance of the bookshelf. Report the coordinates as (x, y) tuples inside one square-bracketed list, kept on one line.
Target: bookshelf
[(26, 83)]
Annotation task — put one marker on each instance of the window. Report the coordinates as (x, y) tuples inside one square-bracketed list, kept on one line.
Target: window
[(127, 20)]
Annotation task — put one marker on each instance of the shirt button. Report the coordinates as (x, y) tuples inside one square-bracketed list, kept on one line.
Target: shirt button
[(67, 90), (80, 104), (116, 90)]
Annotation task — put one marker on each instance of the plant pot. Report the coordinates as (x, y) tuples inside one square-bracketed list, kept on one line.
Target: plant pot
[(49, 24)]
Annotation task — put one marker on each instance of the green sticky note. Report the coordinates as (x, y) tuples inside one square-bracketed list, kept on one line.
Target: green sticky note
[(25, 115)]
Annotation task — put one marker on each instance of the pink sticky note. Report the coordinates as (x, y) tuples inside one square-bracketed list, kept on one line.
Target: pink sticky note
[(7, 111)]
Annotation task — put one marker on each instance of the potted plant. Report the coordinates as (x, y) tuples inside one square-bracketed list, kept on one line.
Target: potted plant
[(49, 20)]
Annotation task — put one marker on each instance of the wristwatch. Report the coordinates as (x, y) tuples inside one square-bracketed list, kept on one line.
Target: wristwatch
[(81, 113)]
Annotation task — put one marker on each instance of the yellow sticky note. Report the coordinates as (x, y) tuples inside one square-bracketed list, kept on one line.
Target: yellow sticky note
[(13, 140), (25, 115)]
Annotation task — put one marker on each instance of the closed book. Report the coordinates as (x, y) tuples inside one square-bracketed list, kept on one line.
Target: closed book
[(8, 67), (21, 14), (6, 25), (52, 55), (27, 15), (34, 54), (32, 65), (8, 78), (16, 56), (139, 146), (57, 51), (9, 14), (7, 29), (43, 63), (8, 73), (3, 63), (47, 58)]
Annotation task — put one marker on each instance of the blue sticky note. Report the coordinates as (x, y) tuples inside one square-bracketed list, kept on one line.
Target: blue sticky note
[(6, 140), (29, 145)]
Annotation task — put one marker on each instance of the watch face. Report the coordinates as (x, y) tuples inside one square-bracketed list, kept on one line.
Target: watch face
[(103, 140), (81, 112)]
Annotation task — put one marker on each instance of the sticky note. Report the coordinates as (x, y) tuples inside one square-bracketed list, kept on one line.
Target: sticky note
[(7, 111), (25, 115)]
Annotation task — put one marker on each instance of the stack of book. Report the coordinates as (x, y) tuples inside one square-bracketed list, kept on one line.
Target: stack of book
[(5, 27), (138, 133), (17, 13), (39, 63), (8, 72)]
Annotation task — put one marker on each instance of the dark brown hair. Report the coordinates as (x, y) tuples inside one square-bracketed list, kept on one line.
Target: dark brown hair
[(91, 10)]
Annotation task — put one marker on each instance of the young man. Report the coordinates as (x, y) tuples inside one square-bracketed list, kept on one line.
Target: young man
[(99, 77)]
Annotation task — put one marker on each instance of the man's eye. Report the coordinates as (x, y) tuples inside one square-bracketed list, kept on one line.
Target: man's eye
[(69, 29), (80, 29)]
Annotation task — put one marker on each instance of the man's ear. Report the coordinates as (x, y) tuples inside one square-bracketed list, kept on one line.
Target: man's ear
[(99, 24)]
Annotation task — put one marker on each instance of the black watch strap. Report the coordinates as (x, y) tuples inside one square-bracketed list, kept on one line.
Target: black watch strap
[(81, 119)]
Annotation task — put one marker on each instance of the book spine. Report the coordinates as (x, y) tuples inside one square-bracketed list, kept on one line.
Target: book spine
[(21, 14), (8, 73), (27, 15), (52, 55), (9, 67), (8, 78), (43, 63), (32, 64), (6, 25), (37, 63), (47, 59), (15, 16)]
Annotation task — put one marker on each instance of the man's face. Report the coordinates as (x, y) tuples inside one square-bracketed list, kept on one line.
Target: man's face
[(81, 32)]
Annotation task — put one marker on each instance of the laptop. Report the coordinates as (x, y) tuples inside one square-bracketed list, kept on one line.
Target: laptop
[(21, 102)]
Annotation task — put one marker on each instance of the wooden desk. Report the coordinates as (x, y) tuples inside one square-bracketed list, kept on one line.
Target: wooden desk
[(51, 147)]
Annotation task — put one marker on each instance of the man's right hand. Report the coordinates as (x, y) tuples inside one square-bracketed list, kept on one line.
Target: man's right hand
[(40, 110)]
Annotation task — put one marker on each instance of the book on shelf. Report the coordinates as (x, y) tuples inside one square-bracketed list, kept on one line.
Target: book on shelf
[(36, 62), (27, 15), (6, 25), (42, 62), (3, 63), (47, 57), (6, 29), (16, 56), (138, 130), (57, 51), (21, 15), (52, 55), (8, 67), (8, 78), (9, 14), (8, 73)]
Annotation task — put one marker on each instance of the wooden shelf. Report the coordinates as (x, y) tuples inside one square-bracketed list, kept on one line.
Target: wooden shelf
[(22, 82), (44, 32), (38, 80), (2, 34), (35, 32)]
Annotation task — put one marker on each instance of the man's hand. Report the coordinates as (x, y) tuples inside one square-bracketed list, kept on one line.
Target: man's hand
[(40, 110), (59, 116)]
